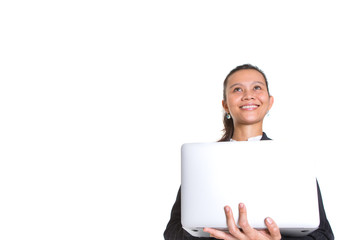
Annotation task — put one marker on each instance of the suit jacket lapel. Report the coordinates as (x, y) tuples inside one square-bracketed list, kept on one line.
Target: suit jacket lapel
[(265, 137)]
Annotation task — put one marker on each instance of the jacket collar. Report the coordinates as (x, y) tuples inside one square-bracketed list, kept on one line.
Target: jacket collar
[(265, 137)]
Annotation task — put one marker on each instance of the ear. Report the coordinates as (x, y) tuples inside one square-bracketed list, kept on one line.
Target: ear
[(225, 106), (271, 102)]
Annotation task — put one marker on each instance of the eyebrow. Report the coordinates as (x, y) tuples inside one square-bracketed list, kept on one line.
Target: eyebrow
[(253, 83)]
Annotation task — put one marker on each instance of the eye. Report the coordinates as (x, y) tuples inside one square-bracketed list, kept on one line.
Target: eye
[(257, 88), (237, 90)]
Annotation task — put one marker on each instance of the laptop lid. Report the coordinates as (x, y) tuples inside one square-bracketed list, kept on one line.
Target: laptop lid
[(273, 179)]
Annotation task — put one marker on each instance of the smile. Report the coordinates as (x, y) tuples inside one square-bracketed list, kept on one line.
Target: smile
[(249, 107)]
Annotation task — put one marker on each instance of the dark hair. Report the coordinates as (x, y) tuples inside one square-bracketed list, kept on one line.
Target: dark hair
[(229, 123)]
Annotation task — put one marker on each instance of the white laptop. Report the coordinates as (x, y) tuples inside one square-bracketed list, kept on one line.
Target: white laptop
[(273, 179)]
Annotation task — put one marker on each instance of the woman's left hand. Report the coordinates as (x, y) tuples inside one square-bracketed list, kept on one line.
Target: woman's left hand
[(247, 232)]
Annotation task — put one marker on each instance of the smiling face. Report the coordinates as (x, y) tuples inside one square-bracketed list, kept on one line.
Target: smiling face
[(247, 98)]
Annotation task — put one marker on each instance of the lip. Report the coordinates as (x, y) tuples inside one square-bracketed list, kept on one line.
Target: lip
[(249, 107)]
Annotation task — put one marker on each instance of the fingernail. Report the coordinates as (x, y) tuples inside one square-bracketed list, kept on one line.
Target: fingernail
[(227, 209), (241, 205), (269, 220)]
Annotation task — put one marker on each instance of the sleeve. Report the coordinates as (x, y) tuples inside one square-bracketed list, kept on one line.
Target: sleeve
[(324, 232), (174, 230)]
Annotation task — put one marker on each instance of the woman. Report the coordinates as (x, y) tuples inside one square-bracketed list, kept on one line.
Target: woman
[(246, 101)]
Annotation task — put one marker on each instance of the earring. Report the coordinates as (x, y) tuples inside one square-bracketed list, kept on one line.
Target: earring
[(228, 116)]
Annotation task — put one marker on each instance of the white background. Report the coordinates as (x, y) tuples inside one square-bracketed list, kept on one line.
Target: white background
[(96, 98)]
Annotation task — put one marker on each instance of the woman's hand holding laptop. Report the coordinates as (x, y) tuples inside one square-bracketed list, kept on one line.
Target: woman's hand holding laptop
[(246, 232)]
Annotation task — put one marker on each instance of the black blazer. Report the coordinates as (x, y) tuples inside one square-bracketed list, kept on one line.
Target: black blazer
[(174, 230)]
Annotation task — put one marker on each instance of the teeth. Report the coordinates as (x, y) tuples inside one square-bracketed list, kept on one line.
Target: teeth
[(249, 106)]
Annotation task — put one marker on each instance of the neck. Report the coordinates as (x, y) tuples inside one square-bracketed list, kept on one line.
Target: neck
[(244, 132)]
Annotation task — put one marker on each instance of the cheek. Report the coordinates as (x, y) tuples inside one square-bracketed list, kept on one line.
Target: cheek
[(264, 98), (233, 102)]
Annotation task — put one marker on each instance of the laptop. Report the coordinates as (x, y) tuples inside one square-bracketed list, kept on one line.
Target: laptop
[(273, 179)]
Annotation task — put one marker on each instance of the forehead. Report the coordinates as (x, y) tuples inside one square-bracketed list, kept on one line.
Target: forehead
[(245, 77)]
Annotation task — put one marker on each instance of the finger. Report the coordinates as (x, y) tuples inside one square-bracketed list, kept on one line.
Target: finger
[(264, 232), (214, 236), (243, 221), (273, 228), (218, 234), (233, 229)]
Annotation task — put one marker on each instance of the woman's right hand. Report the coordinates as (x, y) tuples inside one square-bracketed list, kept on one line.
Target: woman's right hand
[(247, 232)]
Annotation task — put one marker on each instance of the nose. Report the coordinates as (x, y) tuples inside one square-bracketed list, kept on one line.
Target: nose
[(247, 96)]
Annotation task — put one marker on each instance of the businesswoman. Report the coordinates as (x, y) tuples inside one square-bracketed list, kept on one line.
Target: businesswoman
[(246, 101)]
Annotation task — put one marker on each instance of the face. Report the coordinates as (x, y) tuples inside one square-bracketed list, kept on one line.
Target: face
[(247, 98)]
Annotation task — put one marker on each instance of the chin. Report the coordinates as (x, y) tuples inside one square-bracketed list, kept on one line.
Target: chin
[(250, 121)]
